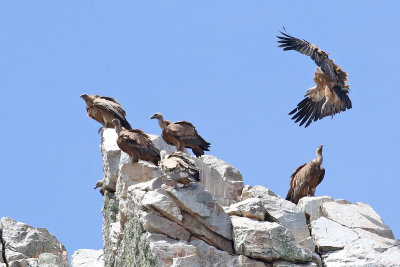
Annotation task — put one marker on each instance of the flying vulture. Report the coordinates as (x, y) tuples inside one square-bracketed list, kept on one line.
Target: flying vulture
[(330, 95), (182, 134), (305, 178), (180, 167), (104, 109), (136, 144)]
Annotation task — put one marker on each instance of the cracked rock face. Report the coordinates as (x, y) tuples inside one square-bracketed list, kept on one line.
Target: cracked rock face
[(280, 210), (87, 258), (150, 221), (29, 246), (267, 241), (356, 216)]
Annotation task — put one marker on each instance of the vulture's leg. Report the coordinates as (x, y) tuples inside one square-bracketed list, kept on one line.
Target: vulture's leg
[(100, 130), (181, 147)]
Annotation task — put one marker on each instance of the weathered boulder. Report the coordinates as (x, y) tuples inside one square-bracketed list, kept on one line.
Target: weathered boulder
[(111, 155), (203, 207), (291, 264), (250, 208), (87, 258), (364, 253), (311, 206), (219, 178), (280, 210), (267, 241), (329, 235), (29, 246), (356, 216), (149, 221)]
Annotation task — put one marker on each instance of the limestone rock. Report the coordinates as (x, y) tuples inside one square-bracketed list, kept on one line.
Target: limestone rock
[(161, 145), (27, 245), (87, 258), (356, 216), (162, 203), (201, 204), (329, 235), (158, 224), (363, 253), (111, 155), (219, 178), (210, 256), (250, 208), (267, 241), (311, 206), (280, 210), (290, 264)]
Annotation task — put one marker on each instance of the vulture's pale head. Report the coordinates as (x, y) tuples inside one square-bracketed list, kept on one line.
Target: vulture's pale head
[(85, 96), (157, 116), (319, 149)]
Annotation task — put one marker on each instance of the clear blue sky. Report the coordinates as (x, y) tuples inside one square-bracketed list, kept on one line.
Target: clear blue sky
[(214, 63)]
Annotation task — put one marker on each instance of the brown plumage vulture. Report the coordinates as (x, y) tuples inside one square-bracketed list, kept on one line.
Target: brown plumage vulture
[(179, 167), (305, 178), (182, 134), (330, 95), (137, 144), (104, 109)]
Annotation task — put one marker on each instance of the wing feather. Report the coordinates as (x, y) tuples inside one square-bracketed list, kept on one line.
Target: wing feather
[(320, 58), (109, 104)]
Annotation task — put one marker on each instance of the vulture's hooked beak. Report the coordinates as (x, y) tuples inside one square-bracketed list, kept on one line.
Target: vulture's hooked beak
[(153, 117)]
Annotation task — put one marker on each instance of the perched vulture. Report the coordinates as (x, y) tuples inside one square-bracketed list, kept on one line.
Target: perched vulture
[(305, 178), (104, 109), (179, 167), (182, 134), (330, 95), (136, 144), (99, 184)]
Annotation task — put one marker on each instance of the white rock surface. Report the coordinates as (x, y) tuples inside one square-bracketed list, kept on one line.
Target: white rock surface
[(29, 246), (311, 206), (356, 216), (250, 208), (200, 203), (290, 264), (219, 178), (149, 221), (363, 253), (111, 155), (329, 235), (280, 210), (87, 258), (267, 241)]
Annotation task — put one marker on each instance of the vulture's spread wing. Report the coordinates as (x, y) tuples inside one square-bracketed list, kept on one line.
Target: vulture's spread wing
[(312, 107), (320, 57)]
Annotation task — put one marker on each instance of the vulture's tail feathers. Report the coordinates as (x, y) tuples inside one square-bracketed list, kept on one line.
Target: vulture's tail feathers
[(289, 196)]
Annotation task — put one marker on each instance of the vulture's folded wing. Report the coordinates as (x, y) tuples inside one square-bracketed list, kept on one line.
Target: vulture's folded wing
[(321, 58), (111, 105)]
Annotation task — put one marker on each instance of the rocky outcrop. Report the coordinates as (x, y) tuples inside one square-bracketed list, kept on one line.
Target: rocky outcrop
[(149, 220), (87, 258), (24, 245)]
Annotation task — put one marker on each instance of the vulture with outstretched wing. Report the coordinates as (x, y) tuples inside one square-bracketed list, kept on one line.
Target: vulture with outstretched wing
[(330, 95), (179, 167), (305, 178), (182, 134), (104, 109), (137, 144)]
